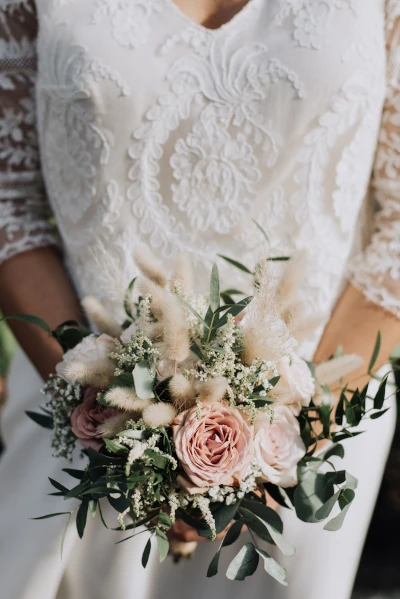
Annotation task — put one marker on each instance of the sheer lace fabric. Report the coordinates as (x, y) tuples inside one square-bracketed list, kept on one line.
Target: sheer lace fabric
[(155, 130), (24, 213), (377, 271)]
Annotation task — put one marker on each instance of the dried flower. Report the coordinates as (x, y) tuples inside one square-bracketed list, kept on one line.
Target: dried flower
[(159, 414)]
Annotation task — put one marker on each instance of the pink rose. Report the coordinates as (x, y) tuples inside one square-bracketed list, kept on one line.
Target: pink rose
[(87, 418), (215, 449)]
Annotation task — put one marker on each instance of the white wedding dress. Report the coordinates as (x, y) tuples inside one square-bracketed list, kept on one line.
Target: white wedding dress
[(153, 129)]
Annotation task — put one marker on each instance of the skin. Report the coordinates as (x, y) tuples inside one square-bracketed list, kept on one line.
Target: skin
[(36, 282)]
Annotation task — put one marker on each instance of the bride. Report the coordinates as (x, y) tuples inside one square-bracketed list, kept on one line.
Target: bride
[(177, 124)]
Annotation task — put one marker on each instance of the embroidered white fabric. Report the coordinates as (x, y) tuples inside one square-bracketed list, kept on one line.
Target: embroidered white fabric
[(156, 130)]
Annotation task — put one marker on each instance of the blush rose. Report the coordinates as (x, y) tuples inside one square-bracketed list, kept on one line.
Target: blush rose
[(88, 417), (296, 386), (214, 449), (278, 446)]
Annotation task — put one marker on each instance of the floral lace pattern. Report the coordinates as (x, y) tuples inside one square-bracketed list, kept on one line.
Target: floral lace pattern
[(23, 212), (376, 272), (156, 130)]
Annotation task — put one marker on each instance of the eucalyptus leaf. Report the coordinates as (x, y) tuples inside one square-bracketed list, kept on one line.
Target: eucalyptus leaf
[(325, 510), (335, 450), (336, 523), (244, 564), (272, 567), (162, 544), (231, 536), (115, 447), (143, 380)]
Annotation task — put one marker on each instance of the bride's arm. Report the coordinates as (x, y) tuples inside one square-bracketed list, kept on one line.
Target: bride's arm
[(372, 302), (32, 277)]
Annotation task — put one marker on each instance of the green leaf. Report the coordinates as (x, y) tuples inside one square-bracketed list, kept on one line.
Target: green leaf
[(265, 513), (395, 353), (380, 396), (74, 473), (50, 516), (307, 498), (193, 311), (146, 553), (231, 536), (40, 419), (81, 517), (274, 492), (279, 259), (287, 549), (30, 319), (376, 351), (58, 485), (259, 227), (128, 298), (256, 525), (214, 288), (325, 510), (223, 514), (164, 520), (272, 567), (236, 264), (196, 350), (336, 523), (144, 380), (377, 415), (244, 564), (162, 544), (335, 450), (77, 490), (93, 507), (114, 446), (123, 380)]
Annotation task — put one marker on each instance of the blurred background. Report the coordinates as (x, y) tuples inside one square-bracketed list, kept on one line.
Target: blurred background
[(379, 573)]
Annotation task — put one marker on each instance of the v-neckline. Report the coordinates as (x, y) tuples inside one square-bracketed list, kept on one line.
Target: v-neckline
[(240, 14)]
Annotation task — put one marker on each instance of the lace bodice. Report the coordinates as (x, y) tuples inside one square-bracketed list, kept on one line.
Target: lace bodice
[(156, 130)]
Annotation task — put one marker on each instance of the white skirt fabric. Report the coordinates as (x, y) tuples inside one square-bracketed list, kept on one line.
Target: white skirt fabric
[(95, 568)]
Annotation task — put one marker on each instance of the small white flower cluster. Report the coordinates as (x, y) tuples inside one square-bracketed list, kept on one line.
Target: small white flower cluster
[(127, 356), (62, 399), (228, 494)]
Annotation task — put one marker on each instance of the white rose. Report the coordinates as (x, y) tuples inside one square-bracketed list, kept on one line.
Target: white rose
[(88, 363), (278, 446), (296, 386)]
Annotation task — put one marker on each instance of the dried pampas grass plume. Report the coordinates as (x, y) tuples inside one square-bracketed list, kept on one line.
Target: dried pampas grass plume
[(264, 334), (288, 289), (100, 317), (182, 274), (158, 295), (96, 374), (150, 266), (182, 392), (159, 414), (176, 343), (116, 424), (333, 370), (213, 390), (126, 399), (302, 326)]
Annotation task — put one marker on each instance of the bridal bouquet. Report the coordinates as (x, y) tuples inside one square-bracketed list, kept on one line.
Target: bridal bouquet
[(198, 408)]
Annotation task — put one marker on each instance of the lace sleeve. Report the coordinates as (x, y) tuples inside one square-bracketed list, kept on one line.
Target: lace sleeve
[(24, 214), (377, 271)]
